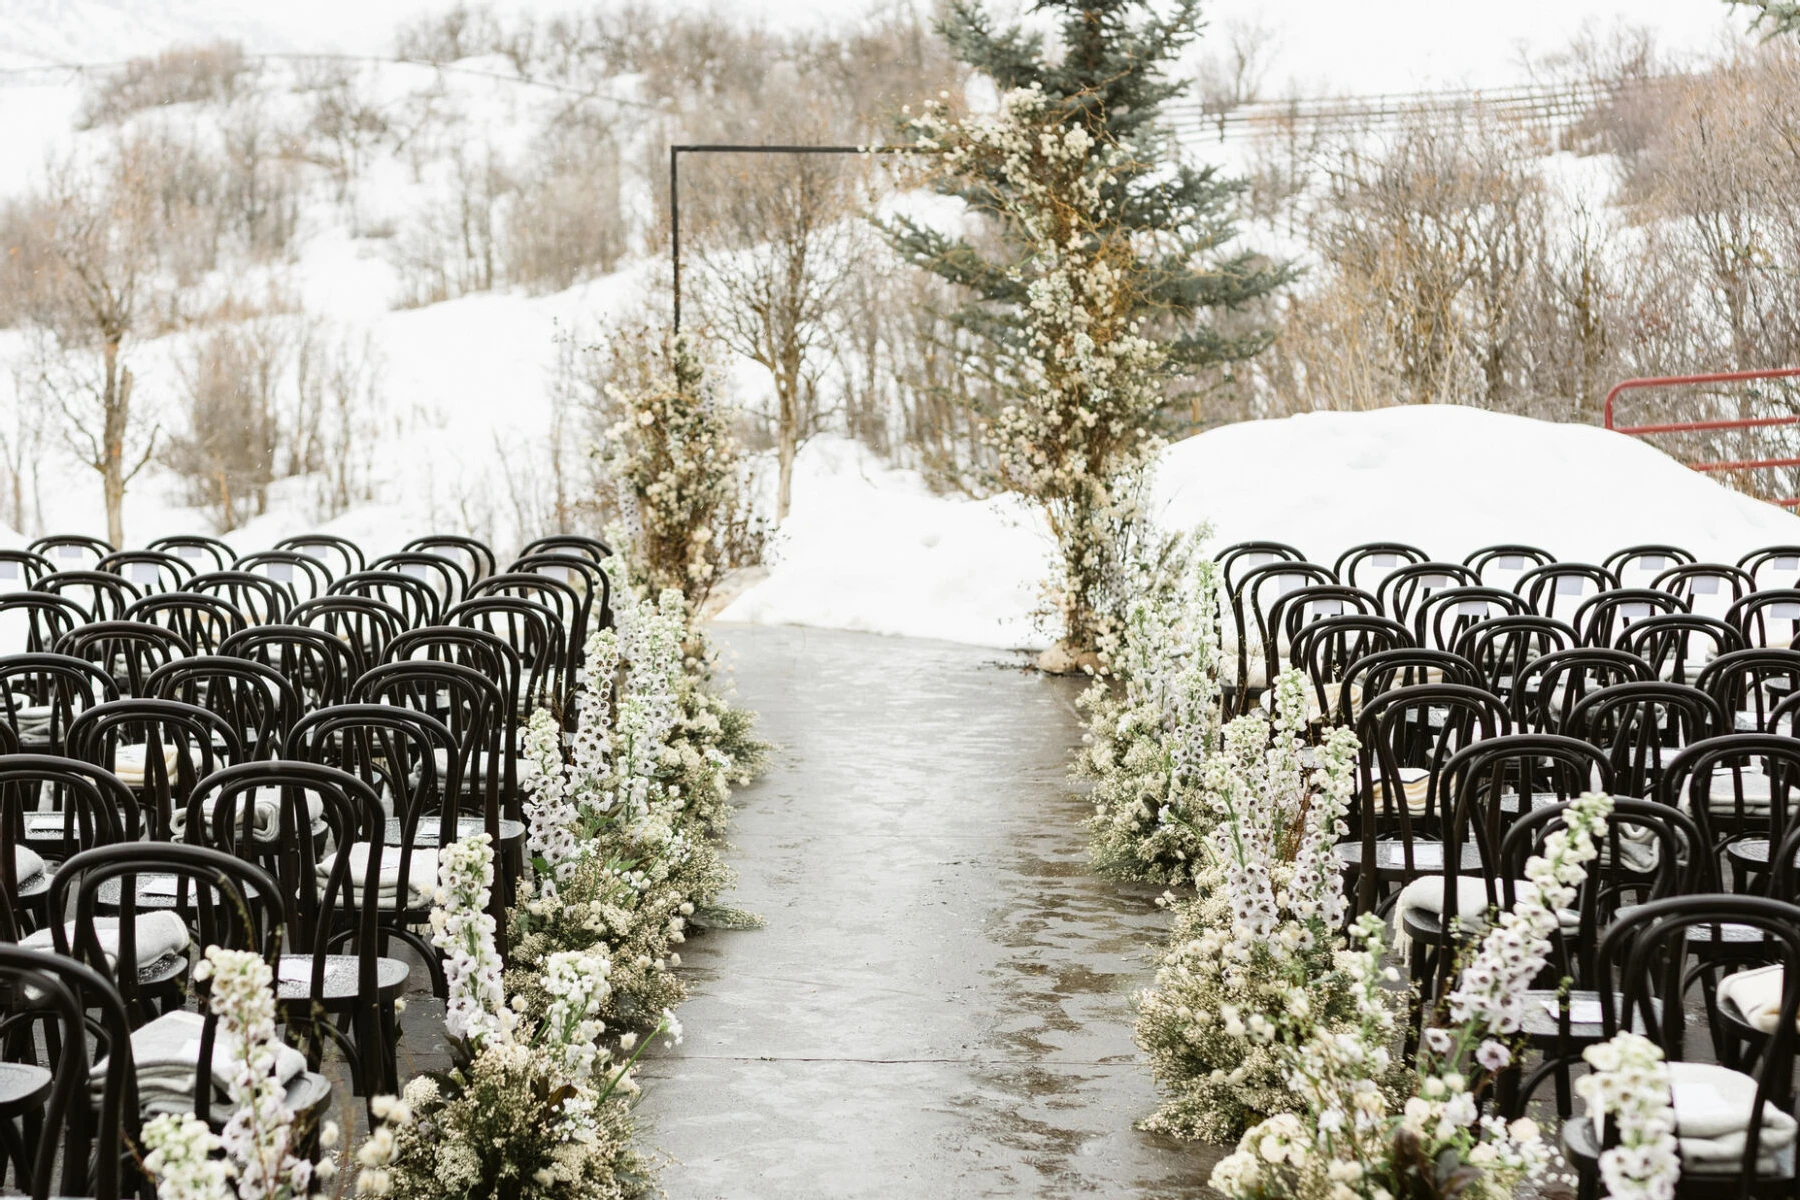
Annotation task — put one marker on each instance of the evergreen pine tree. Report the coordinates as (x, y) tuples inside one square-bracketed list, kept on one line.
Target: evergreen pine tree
[(1159, 232)]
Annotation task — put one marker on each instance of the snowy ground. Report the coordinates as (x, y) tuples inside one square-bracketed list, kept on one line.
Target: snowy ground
[(870, 548)]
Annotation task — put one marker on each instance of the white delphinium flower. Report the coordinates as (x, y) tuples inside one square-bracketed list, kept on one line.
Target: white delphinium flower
[(180, 1158), (576, 982), (464, 932), (550, 813), (258, 1137), (1630, 1083)]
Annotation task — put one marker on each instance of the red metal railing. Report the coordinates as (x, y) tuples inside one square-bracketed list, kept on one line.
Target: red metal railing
[(1692, 426)]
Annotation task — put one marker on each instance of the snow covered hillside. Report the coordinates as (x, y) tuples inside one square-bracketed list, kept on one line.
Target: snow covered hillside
[(869, 548)]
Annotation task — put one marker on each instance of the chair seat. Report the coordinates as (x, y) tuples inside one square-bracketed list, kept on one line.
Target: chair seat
[(342, 978), (22, 1086)]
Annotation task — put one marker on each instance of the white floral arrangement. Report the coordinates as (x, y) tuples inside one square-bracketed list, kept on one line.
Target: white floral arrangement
[(1255, 962), (1349, 1139), (1077, 437), (1153, 720), (522, 1104), (1630, 1083), (253, 1158)]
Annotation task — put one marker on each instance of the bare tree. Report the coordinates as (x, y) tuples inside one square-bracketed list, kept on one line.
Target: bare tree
[(780, 238), (87, 267)]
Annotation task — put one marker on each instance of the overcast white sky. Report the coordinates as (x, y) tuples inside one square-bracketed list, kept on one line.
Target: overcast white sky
[(1322, 45)]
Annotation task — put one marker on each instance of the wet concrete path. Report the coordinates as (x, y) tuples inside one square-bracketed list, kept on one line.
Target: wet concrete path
[(938, 1004)]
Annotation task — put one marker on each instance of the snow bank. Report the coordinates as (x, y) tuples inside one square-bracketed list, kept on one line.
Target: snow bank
[(1449, 480), (870, 548)]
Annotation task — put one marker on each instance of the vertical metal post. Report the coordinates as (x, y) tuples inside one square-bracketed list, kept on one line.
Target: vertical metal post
[(675, 231)]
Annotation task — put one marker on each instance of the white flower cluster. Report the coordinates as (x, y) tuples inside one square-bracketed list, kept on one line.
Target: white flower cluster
[(258, 1162), (1078, 438), (1361, 1148), (1490, 995), (1630, 1083), (463, 932), (550, 812), (576, 983), (1150, 737)]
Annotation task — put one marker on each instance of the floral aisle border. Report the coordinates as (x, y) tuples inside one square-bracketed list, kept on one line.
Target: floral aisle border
[(1268, 1024), (625, 831)]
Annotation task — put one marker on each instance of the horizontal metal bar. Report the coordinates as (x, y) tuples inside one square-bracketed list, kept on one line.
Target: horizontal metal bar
[(733, 148), (1748, 464), (1686, 426), (1677, 380)]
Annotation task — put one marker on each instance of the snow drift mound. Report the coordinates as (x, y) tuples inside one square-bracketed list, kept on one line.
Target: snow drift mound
[(1449, 480), (871, 548)]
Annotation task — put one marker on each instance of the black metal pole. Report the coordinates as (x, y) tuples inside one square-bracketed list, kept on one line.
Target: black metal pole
[(675, 229)]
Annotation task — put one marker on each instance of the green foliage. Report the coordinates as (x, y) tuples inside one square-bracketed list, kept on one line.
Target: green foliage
[(1772, 16), (1110, 80)]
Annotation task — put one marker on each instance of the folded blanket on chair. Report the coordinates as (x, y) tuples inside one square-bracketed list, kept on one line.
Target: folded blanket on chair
[(166, 1053), (265, 814), (159, 935), (421, 875), (1713, 1107), (129, 762), (28, 865)]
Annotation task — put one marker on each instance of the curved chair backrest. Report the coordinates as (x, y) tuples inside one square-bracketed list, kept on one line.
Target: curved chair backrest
[(1506, 563), (89, 809), (1678, 646), (1781, 565), (202, 553), (306, 577), (1328, 648), (1710, 588), (263, 601), (38, 620), (1404, 667), (1294, 611), (416, 599), (1365, 566), (556, 543), (468, 704), (231, 811), (341, 555), (1760, 774), (203, 622), (1557, 589), (321, 666), (1636, 566), (1440, 620), (1236, 559), (445, 575), (1749, 684), (101, 595), (150, 571), (72, 551), (1646, 951), (587, 577), (1547, 689), (1404, 589), (364, 624), (88, 1134), (129, 651), (536, 635), (1767, 618), (1501, 646), (472, 555), (570, 604), (181, 744), (42, 694), (1641, 726), (22, 568), (256, 700), (1603, 617), (1403, 732), (224, 900)]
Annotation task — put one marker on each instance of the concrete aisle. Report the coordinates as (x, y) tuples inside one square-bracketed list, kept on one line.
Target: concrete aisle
[(938, 1005)]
